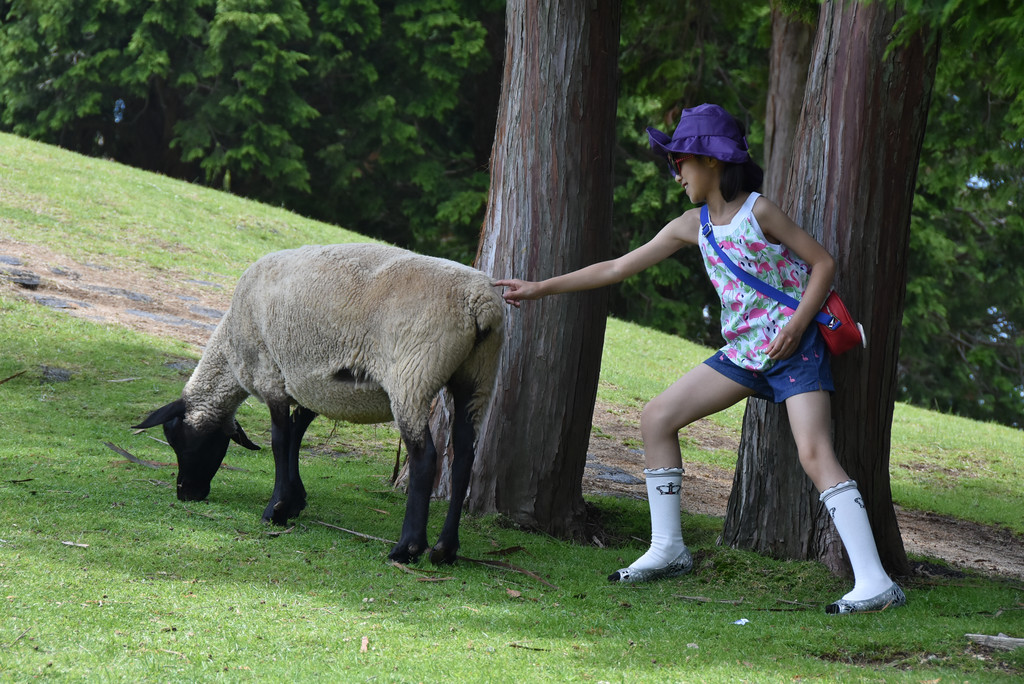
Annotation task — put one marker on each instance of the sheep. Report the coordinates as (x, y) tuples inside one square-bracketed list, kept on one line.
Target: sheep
[(362, 333)]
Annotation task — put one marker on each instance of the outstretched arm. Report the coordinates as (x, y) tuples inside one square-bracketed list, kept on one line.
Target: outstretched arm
[(680, 231)]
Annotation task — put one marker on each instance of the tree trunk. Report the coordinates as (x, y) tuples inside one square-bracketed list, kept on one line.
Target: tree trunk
[(790, 57), (549, 212), (851, 186)]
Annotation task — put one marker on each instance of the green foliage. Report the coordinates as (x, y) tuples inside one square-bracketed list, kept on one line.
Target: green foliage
[(57, 60), (246, 104), (358, 112), (435, 133), (803, 10), (671, 57), (963, 348)]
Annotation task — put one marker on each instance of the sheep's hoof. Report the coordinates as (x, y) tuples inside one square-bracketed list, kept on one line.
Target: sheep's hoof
[(405, 553), (280, 512), (442, 555), (279, 516)]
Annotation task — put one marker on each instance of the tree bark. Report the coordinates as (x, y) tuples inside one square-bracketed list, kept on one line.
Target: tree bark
[(549, 212), (788, 62), (851, 186)]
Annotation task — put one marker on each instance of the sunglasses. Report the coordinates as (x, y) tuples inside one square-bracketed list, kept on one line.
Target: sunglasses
[(675, 164)]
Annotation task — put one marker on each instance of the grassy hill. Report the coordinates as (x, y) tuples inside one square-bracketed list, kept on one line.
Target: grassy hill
[(105, 576)]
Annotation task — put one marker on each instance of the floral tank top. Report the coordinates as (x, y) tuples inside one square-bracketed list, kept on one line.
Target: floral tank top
[(751, 320)]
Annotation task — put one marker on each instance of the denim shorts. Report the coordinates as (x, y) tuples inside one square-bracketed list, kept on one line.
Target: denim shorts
[(808, 370)]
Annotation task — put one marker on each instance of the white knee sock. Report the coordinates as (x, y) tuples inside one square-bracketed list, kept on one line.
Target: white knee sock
[(666, 531), (846, 506)]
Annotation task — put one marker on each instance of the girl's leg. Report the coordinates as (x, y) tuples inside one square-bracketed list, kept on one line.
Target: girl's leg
[(810, 420), (699, 393)]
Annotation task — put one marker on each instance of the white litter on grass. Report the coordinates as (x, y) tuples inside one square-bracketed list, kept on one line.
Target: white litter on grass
[(741, 621)]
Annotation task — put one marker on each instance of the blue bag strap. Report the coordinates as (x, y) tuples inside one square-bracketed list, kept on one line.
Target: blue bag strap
[(764, 288)]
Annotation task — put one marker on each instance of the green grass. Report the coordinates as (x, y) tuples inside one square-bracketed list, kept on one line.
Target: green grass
[(958, 467), (101, 212), (104, 576)]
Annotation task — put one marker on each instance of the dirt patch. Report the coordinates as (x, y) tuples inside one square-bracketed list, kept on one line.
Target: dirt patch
[(169, 305), (157, 302)]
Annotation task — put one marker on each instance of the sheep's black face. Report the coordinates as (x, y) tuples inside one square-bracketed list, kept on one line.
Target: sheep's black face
[(199, 451), (199, 457)]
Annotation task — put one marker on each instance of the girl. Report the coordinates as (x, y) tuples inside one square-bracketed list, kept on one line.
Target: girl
[(771, 350)]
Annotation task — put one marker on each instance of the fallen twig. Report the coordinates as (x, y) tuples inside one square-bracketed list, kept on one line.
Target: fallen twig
[(146, 434), (413, 571), (495, 564), (278, 533), (509, 566), (18, 638), (797, 606), (205, 515), (11, 378), (131, 457), (704, 599), (420, 573), (508, 551), (353, 532), (528, 648)]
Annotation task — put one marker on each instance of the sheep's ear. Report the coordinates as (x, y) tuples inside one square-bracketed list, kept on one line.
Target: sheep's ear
[(164, 414), (243, 439)]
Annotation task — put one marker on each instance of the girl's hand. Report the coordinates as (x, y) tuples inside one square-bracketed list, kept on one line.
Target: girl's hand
[(785, 343), (518, 290)]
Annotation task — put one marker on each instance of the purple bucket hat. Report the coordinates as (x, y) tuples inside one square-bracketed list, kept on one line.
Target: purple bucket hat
[(706, 130)]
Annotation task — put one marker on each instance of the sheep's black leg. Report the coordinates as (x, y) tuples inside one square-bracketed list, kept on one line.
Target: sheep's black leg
[(446, 549), (286, 432), (422, 464)]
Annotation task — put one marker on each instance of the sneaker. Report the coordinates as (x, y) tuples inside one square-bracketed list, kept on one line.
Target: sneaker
[(890, 598), (680, 565)]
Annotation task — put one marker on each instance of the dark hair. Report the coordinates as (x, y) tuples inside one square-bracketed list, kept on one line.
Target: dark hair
[(747, 177)]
